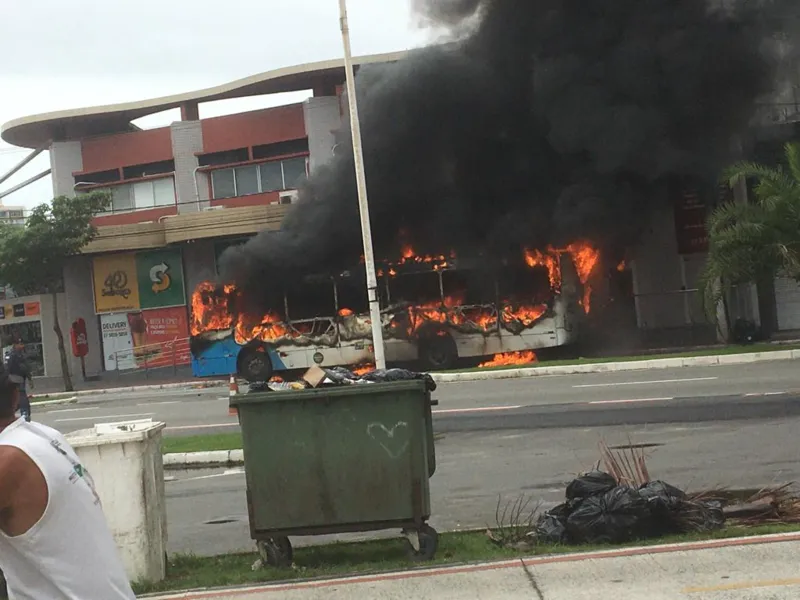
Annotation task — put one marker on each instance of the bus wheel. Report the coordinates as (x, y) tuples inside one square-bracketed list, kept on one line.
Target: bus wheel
[(254, 365), (438, 352)]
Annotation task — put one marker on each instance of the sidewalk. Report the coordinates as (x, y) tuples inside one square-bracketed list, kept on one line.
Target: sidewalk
[(745, 568)]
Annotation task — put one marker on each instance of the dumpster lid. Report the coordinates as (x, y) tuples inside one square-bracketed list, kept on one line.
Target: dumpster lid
[(387, 390), (114, 433)]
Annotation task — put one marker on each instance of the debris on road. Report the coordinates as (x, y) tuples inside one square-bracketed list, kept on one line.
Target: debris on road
[(621, 504)]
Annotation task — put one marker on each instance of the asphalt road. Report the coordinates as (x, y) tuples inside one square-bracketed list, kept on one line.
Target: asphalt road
[(193, 412), (705, 427)]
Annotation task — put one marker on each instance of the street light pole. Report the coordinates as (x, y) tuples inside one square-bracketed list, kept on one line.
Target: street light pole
[(363, 205)]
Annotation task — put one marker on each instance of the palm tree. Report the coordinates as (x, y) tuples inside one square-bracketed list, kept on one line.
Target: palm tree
[(758, 240)]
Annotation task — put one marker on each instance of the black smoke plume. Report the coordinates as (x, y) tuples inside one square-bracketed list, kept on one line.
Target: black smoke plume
[(547, 122)]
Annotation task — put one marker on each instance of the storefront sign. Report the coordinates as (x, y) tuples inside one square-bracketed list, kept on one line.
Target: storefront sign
[(27, 309), (79, 339), (146, 339), (138, 281), (160, 279), (117, 342), (115, 287)]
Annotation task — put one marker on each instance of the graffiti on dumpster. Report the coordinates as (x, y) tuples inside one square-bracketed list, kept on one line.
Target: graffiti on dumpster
[(393, 440)]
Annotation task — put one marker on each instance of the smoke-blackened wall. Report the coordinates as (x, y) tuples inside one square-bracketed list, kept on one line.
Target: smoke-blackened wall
[(551, 121)]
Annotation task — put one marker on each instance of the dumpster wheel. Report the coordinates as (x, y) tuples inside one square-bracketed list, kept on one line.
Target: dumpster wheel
[(428, 544), (276, 552)]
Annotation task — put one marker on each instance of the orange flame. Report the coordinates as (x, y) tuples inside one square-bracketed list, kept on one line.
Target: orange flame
[(621, 266), (346, 312), (511, 358), (276, 379), (210, 308), (536, 258), (363, 369)]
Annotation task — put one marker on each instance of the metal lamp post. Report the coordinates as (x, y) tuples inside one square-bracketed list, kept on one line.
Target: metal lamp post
[(363, 205)]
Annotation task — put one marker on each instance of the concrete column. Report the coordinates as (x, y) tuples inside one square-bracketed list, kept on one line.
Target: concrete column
[(187, 141), (65, 159), (322, 119), (79, 293)]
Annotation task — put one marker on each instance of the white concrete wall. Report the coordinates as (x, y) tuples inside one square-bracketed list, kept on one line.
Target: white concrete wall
[(65, 159), (52, 358), (322, 118), (187, 141), (129, 477)]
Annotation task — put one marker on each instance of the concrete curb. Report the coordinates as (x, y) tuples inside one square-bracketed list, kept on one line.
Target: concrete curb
[(616, 367), (200, 460), (196, 385), (57, 402), (287, 586)]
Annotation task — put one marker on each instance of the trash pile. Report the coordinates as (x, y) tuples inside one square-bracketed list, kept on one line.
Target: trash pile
[(337, 376), (599, 510)]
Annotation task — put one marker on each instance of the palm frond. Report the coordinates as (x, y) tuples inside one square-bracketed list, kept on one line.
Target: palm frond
[(792, 151)]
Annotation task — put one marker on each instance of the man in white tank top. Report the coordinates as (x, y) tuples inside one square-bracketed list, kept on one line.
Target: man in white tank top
[(54, 540)]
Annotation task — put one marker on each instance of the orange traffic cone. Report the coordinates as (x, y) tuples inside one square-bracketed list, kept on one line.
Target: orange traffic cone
[(233, 390)]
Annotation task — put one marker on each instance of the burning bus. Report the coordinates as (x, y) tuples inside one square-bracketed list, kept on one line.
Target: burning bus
[(436, 309)]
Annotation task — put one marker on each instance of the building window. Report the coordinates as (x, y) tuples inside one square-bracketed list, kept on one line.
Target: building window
[(273, 176), (143, 195)]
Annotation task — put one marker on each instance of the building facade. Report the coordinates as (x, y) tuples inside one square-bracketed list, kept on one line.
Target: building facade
[(183, 193)]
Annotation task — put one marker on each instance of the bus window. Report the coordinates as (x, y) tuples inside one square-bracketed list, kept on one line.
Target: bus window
[(521, 283), (311, 299), (352, 293), (416, 288), (473, 287)]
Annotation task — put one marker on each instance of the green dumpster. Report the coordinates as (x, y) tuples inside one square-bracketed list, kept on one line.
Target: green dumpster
[(338, 459)]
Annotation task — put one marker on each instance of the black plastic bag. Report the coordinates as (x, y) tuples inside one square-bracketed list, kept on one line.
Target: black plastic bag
[(691, 516), (258, 386), (384, 375), (591, 484), (661, 496), (551, 528), (619, 515), (340, 376)]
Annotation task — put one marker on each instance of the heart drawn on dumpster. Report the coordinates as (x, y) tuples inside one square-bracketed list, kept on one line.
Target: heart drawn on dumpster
[(394, 441)]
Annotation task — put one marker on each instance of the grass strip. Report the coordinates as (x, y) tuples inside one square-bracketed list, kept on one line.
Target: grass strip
[(721, 351), (202, 443), (380, 556)]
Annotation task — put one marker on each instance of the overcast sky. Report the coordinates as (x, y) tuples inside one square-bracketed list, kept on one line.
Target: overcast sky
[(85, 53)]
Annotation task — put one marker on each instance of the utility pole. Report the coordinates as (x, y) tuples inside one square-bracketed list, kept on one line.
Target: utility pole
[(363, 205)]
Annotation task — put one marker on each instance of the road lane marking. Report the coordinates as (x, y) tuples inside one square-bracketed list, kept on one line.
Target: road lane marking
[(212, 426), (758, 394), (632, 400), (160, 403), (597, 385), (66, 410), (106, 417), (448, 411)]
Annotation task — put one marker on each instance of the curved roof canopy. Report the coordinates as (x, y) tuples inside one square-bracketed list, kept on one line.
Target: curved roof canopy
[(40, 130)]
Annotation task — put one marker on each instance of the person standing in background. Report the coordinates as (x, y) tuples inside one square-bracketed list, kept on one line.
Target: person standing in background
[(19, 372)]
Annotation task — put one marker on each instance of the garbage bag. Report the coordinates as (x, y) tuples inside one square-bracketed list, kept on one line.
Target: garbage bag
[(340, 376), (551, 528), (661, 496), (590, 484), (384, 375), (258, 386), (619, 515), (690, 516)]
